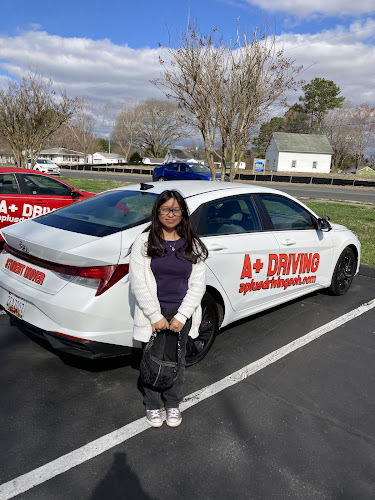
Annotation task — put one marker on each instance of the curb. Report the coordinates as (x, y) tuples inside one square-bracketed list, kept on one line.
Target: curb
[(365, 270)]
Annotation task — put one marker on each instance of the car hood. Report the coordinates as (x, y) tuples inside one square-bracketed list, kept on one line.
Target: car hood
[(63, 247)]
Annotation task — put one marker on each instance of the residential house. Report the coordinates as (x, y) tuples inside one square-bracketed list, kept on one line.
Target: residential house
[(152, 161), (288, 152), (185, 155), (107, 158), (63, 156)]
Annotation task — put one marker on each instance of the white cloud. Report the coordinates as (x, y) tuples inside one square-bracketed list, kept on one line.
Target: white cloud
[(107, 73), (339, 55), (99, 69), (302, 8)]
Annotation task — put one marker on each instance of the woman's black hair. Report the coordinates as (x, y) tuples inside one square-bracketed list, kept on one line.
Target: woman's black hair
[(194, 249)]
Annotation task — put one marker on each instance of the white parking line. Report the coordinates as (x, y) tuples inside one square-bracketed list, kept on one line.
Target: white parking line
[(95, 448)]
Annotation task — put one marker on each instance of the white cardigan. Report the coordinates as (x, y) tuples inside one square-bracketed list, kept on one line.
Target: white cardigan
[(143, 285)]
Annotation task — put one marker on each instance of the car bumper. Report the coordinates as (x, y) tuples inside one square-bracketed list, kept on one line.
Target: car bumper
[(65, 344)]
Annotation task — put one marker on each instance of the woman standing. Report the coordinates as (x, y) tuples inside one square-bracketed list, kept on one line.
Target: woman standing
[(167, 278)]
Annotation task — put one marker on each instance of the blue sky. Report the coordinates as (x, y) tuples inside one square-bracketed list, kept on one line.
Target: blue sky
[(108, 51)]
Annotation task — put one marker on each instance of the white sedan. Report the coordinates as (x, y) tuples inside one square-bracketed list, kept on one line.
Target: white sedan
[(46, 166), (64, 275)]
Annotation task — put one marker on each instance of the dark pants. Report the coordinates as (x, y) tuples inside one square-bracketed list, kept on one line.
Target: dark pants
[(165, 345)]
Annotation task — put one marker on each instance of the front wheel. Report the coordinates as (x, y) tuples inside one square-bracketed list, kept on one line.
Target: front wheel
[(344, 272), (161, 179), (196, 349)]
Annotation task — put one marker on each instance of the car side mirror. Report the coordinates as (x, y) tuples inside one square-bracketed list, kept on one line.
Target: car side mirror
[(75, 194), (324, 224)]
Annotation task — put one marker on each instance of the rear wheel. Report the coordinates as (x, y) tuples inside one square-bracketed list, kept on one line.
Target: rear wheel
[(161, 179), (344, 272), (196, 349)]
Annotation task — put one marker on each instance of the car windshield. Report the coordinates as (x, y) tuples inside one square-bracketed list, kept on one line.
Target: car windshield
[(198, 168), (104, 214)]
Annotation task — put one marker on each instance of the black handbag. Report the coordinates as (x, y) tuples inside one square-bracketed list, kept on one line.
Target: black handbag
[(157, 372)]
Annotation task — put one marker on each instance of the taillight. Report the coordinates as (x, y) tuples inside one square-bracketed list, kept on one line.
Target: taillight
[(100, 277), (106, 276)]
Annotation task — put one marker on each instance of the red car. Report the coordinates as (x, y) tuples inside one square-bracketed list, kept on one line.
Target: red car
[(26, 193)]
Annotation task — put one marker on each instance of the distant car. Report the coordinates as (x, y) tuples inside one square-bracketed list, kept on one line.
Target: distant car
[(25, 193), (184, 171), (64, 275), (46, 166)]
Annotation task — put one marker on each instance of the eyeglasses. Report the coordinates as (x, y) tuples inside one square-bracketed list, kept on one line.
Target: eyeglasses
[(177, 212)]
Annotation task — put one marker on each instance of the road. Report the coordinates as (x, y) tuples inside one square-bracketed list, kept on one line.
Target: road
[(358, 194), (297, 423)]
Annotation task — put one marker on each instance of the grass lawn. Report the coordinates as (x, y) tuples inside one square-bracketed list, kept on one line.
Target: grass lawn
[(93, 185), (359, 219)]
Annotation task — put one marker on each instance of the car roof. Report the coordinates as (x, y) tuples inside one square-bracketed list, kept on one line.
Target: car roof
[(4, 170), (194, 188)]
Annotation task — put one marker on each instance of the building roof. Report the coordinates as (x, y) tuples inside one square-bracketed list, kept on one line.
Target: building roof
[(185, 154), (60, 151), (108, 155), (302, 143)]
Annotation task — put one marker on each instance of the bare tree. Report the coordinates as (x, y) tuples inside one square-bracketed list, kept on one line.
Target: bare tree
[(29, 112), (363, 123), (161, 125), (126, 127), (81, 126), (227, 88), (337, 126)]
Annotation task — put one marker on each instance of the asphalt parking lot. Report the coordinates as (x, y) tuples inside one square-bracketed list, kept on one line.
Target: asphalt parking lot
[(295, 425)]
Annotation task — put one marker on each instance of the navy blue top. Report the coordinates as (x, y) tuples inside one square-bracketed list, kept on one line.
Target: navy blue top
[(171, 272)]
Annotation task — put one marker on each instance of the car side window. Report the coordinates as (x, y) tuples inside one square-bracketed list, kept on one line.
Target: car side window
[(173, 167), (43, 185), (8, 184), (285, 214), (227, 216)]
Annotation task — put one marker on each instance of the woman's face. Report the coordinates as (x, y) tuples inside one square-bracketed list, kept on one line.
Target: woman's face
[(170, 220)]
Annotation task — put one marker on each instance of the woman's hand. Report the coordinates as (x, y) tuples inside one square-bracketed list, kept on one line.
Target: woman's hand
[(175, 325), (162, 324)]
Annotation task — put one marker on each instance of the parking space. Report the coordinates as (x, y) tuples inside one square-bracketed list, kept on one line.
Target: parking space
[(301, 427)]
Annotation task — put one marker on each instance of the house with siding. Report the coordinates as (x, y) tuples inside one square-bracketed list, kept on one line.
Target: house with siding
[(288, 152), (62, 156), (184, 155), (107, 158)]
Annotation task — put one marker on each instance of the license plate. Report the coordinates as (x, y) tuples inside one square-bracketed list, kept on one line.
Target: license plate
[(15, 305)]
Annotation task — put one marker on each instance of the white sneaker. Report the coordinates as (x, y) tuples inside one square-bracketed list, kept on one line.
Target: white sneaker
[(154, 418), (173, 417)]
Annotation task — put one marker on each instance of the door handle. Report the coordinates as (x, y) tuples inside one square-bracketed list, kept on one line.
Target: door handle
[(288, 242), (216, 248)]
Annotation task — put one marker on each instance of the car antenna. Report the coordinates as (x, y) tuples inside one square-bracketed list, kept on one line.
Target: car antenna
[(145, 187)]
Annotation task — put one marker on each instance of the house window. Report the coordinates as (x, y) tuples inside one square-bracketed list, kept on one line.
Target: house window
[(294, 163), (315, 164), (274, 163)]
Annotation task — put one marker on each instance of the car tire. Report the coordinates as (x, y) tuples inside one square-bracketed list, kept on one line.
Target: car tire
[(161, 179), (344, 272), (196, 349)]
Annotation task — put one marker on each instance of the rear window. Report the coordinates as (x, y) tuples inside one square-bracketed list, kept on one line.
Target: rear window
[(103, 214)]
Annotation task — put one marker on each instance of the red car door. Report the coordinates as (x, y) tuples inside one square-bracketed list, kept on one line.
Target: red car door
[(12, 200)]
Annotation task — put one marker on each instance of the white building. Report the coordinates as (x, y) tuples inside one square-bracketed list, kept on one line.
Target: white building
[(184, 155), (152, 161), (287, 152), (63, 156), (107, 158)]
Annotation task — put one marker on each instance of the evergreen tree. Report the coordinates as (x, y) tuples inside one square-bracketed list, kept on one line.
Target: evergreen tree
[(319, 97), (265, 134)]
